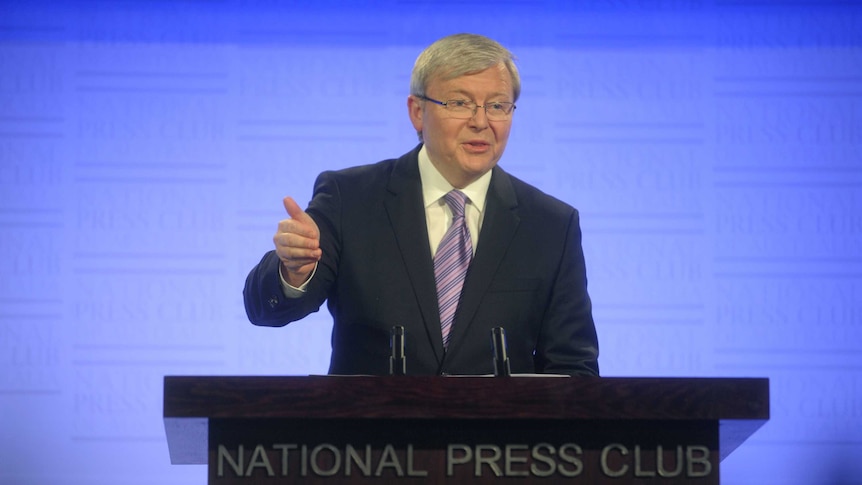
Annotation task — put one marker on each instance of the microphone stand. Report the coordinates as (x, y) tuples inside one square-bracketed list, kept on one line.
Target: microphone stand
[(501, 357), (397, 361)]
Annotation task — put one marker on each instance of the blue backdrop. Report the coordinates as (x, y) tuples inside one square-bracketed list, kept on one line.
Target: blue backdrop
[(714, 149)]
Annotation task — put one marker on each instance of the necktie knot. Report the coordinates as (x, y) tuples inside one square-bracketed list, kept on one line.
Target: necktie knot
[(456, 200)]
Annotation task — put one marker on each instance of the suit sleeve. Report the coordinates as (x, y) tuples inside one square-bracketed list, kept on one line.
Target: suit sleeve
[(265, 302), (568, 343)]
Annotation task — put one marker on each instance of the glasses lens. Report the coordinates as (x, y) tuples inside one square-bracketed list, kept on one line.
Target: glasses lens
[(464, 109), (498, 111), (460, 108)]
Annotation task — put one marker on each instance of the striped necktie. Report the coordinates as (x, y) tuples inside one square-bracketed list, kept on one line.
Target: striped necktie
[(451, 262)]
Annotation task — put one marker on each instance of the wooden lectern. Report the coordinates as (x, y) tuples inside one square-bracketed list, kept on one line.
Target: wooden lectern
[(431, 429)]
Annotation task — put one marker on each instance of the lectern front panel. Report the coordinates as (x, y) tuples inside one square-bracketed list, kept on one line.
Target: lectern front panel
[(388, 451)]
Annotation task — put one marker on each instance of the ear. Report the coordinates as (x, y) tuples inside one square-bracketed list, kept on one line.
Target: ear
[(416, 111)]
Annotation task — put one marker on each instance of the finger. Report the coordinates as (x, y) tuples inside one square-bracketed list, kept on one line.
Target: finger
[(298, 264), (303, 230), (297, 257), (290, 239)]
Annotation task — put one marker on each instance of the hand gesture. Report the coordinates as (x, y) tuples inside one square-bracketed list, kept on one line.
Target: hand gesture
[(297, 244)]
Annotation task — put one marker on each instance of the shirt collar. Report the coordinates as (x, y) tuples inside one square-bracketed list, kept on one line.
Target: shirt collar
[(435, 186)]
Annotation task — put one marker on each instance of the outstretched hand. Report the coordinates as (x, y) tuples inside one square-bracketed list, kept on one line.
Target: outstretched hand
[(297, 244)]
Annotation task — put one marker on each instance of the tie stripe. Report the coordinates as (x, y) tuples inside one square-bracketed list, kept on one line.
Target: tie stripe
[(451, 262)]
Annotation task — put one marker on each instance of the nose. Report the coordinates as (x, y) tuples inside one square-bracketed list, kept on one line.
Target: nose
[(479, 118)]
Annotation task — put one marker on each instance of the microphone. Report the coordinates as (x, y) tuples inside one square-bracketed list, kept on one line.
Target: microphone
[(501, 357), (397, 361)]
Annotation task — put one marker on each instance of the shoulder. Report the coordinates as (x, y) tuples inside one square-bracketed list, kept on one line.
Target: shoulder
[(380, 171), (368, 185), (529, 199), (365, 174)]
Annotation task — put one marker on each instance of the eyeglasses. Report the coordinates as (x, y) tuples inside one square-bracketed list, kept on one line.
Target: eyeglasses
[(465, 109)]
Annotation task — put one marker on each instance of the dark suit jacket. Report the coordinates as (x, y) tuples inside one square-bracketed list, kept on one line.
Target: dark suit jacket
[(527, 276)]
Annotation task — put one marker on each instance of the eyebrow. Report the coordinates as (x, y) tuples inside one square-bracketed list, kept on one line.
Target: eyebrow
[(465, 93)]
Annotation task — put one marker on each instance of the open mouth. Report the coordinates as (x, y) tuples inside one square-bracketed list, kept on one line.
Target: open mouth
[(477, 145)]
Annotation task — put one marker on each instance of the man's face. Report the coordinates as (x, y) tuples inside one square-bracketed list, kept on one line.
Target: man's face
[(464, 149)]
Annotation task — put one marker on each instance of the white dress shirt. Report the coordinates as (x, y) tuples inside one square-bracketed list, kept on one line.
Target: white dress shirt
[(438, 216)]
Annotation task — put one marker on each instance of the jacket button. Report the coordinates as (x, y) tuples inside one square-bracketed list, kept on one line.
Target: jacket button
[(273, 301)]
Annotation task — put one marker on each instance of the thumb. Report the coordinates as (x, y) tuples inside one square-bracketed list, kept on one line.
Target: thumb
[(293, 209)]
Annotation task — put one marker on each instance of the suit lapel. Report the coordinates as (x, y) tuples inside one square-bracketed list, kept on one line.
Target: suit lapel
[(499, 226), (405, 208)]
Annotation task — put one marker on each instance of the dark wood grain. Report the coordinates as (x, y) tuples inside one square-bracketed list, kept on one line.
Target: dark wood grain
[(739, 405), (466, 397)]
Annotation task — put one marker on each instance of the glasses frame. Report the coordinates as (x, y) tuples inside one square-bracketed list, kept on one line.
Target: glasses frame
[(445, 104)]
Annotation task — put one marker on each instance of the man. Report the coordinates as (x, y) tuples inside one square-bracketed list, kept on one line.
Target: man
[(382, 242)]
